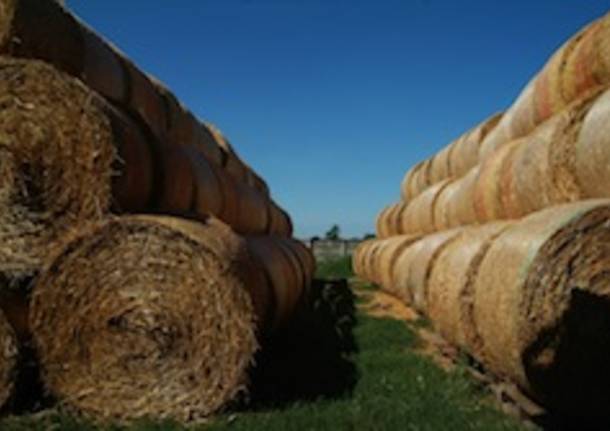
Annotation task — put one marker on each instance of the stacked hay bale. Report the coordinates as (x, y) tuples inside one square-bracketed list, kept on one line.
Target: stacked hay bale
[(149, 257), (507, 252)]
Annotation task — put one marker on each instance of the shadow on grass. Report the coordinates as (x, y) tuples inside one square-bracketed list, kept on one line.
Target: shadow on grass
[(310, 359)]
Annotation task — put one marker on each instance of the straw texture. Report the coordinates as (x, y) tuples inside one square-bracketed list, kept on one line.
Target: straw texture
[(541, 305), (8, 359), (146, 316), (67, 156), (44, 30)]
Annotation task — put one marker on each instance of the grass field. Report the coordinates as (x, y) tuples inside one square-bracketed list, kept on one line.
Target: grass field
[(338, 369)]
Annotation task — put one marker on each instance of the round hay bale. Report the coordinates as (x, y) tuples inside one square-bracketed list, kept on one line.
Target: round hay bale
[(285, 272), (232, 163), (418, 216), (442, 217), (360, 257), (450, 286), (503, 132), (389, 220), (525, 185), (411, 271), (406, 186), (177, 189), (461, 207), (8, 359), (208, 197), (421, 178), (55, 170), (542, 170), (146, 101), (146, 316), (252, 210), (465, 153), (587, 65), (548, 97), (389, 253), (541, 306), (439, 165), (592, 150), (487, 194), (369, 262), (580, 64)]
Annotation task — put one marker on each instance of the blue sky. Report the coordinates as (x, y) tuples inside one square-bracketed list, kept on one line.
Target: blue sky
[(332, 101)]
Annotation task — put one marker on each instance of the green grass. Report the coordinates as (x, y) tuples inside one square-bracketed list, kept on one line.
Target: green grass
[(335, 268)]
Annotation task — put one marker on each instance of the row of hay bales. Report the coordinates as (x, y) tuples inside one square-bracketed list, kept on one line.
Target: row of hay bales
[(580, 65), (144, 260), (565, 159), (528, 299), (509, 258)]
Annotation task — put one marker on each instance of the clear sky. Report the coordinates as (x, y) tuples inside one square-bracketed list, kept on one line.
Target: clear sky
[(332, 101)]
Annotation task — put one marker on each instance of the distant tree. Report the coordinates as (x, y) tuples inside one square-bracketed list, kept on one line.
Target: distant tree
[(368, 236), (333, 233)]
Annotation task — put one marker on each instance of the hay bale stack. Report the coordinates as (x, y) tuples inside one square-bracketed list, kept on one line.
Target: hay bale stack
[(412, 218), (542, 307), (8, 359), (451, 284), (45, 30), (453, 161), (579, 65), (411, 271), (68, 156), (465, 152), (152, 316)]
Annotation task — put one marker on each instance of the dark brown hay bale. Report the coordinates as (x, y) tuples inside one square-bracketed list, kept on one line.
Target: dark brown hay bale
[(44, 30), (232, 163), (288, 271), (56, 160), (450, 287), (68, 156), (146, 316), (8, 359), (412, 267), (542, 307)]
